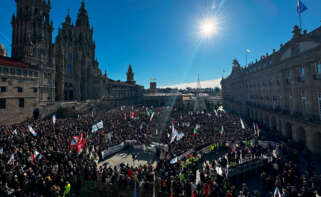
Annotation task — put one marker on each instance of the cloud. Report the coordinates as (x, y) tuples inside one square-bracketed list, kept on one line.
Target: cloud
[(204, 84)]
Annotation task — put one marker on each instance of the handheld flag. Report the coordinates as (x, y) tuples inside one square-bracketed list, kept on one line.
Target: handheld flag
[(32, 131), (277, 192), (257, 130), (242, 124), (195, 129), (173, 161), (301, 7), (54, 119), (151, 117), (132, 115), (15, 131), (11, 158), (254, 128), (222, 130)]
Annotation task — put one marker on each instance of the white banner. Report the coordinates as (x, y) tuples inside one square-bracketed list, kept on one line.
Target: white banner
[(112, 150)]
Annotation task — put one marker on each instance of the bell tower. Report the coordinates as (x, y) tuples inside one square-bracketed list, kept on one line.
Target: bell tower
[(32, 32), (130, 75)]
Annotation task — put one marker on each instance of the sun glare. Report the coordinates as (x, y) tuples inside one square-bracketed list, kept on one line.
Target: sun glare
[(208, 27)]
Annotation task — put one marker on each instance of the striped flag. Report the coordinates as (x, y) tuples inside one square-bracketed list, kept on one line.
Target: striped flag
[(32, 131)]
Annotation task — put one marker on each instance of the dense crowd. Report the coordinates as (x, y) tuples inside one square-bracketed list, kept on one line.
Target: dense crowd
[(44, 165)]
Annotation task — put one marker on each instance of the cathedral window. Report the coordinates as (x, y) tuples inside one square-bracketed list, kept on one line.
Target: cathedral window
[(25, 73), (68, 69), (69, 56), (36, 74), (30, 73)]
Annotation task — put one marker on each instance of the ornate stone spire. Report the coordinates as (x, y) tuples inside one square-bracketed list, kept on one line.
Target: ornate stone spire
[(68, 18), (82, 18)]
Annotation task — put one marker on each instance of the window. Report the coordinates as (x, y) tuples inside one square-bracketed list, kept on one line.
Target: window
[(69, 56), (30, 73), (3, 89), (5, 70), (18, 72), (302, 71), (2, 103), (318, 67), (19, 89), (35, 90), (4, 79), (21, 102), (12, 71), (25, 73), (36, 74), (68, 69)]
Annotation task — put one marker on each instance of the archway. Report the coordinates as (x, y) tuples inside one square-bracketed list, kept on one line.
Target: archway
[(36, 114), (288, 130), (300, 135)]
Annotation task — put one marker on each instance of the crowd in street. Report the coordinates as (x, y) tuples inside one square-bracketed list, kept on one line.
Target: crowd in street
[(43, 164)]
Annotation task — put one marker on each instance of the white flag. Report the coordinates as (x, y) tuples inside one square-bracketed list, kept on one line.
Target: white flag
[(222, 130), (242, 124), (254, 128), (54, 119), (173, 161), (151, 117), (11, 158), (32, 131), (15, 131)]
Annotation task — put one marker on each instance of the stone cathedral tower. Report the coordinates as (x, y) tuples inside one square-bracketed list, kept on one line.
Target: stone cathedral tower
[(78, 75), (32, 42)]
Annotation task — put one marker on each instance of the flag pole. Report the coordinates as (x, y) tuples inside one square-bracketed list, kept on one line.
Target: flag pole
[(299, 13)]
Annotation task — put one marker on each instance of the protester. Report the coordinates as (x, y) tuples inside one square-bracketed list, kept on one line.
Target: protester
[(54, 157)]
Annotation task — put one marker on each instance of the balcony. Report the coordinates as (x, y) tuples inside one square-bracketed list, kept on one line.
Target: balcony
[(317, 76)]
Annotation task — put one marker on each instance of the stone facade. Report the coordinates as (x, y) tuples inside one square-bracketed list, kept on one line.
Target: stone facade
[(65, 70), (282, 90), (74, 51), (19, 90), (32, 43)]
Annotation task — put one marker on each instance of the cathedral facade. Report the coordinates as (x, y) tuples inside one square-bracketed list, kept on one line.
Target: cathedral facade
[(42, 73), (282, 91)]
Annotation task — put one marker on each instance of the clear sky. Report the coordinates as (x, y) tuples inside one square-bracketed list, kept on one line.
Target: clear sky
[(161, 38)]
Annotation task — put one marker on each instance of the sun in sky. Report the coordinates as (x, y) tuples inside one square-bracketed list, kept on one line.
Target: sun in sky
[(208, 27)]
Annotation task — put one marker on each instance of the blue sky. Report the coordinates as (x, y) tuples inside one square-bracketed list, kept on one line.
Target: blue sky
[(160, 38)]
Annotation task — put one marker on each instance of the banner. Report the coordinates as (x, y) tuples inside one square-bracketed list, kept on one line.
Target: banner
[(112, 150)]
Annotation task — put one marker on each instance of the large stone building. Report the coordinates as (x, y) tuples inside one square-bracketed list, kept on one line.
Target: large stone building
[(48, 72), (282, 90), (77, 71)]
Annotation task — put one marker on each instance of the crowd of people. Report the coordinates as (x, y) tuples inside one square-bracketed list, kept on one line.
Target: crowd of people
[(43, 164)]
